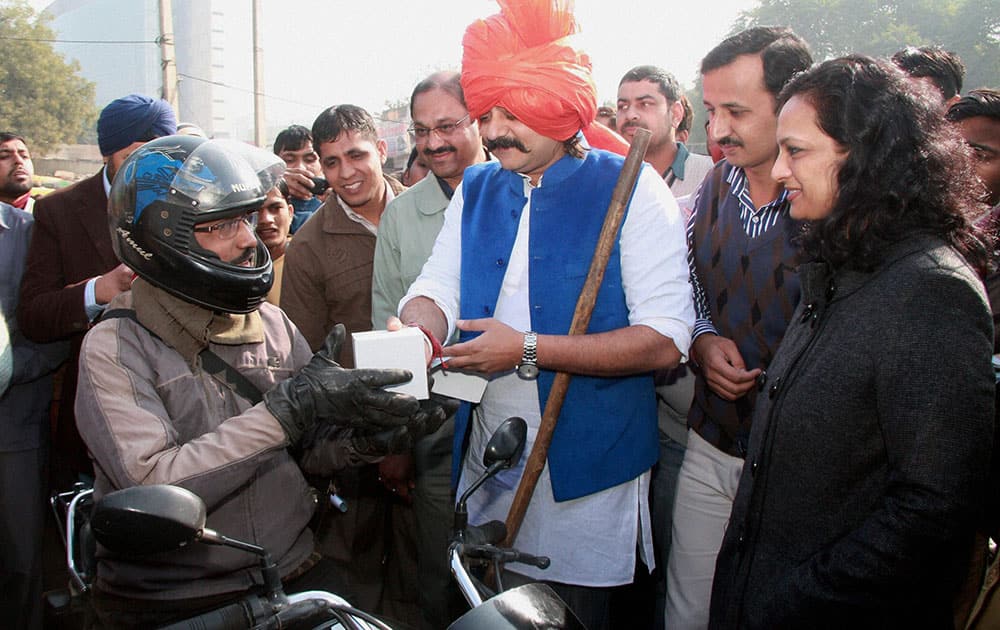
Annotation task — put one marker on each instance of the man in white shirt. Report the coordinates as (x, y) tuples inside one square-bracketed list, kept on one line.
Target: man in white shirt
[(506, 270)]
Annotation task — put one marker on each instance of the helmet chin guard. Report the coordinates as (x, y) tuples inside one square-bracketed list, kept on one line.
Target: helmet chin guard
[(171, 184)]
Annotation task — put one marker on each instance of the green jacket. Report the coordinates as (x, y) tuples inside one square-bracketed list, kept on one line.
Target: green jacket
[(406, 235)]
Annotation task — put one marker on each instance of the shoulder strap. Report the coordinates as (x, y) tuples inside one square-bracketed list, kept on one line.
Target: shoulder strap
[(212, 363), (229, 376)]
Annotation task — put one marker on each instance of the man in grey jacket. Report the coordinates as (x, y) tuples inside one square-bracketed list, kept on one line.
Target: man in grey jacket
[(193, 380), (24, 417)]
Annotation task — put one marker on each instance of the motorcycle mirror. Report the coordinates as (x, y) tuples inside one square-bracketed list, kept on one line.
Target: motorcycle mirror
[(506, 444), (148, 519), (503, 450)]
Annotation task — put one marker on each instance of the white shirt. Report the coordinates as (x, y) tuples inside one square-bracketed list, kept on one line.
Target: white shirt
[(591, 540), (357, 218), (90, 305)]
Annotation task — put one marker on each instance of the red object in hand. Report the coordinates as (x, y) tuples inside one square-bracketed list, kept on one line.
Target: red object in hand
[(437, 350)]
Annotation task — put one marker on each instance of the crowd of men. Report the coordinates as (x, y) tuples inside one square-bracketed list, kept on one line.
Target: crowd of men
[(488, 253)]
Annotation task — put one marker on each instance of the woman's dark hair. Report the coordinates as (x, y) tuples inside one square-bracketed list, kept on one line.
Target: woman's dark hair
[(904, 172)]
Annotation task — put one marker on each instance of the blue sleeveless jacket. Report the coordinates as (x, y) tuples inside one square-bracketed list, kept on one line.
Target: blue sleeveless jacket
[(606, 434)]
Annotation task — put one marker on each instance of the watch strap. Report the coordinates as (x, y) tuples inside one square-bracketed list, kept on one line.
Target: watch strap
[(530, 352)]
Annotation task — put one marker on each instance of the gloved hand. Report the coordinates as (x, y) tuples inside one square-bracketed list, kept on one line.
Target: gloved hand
[(328, 448), (433, 412), (342, 397)]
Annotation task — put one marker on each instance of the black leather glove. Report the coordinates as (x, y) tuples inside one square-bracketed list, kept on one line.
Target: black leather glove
[(433, 412), (327, 448), (342, 397)]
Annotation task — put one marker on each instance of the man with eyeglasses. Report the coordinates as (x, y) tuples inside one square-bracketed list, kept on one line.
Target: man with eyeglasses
[(192, 379), (71, 271), (449, 142)]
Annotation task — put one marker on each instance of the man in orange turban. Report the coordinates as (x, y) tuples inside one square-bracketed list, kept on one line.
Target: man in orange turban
[(523, 60), (507, 269)]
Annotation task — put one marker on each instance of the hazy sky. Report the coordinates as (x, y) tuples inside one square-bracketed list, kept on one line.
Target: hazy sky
[(319, 53)]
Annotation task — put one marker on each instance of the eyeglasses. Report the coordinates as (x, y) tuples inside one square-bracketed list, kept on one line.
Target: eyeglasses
[(227, 230), (442, 131)]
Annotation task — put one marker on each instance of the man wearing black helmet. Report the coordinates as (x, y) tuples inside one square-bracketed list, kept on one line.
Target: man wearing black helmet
[(193, 380)]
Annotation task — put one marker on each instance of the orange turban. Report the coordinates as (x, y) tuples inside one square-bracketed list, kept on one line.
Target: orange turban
[(523, 60)]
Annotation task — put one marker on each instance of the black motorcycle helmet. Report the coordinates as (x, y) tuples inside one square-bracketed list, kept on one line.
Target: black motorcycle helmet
[(171, 184)]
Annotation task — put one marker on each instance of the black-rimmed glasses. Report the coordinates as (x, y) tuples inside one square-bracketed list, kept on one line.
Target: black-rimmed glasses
[(227, 230)]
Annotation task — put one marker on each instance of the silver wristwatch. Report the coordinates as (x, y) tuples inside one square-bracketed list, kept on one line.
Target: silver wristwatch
[(528, 368)]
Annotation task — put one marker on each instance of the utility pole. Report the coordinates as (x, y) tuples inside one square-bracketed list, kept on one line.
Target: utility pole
[(168, 58), (259, 131)]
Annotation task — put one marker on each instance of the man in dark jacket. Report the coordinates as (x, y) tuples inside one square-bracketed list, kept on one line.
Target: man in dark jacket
[(72, 272), (745, 289)]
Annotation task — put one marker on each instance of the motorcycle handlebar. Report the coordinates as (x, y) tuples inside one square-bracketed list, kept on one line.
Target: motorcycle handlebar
[(491, 552), (490, 533), (232, 617), (255, 612)]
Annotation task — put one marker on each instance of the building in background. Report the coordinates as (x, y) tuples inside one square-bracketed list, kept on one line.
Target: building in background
[(213, 47)]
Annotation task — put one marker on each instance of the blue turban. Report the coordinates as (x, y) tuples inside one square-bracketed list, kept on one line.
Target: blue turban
[(134, 118)]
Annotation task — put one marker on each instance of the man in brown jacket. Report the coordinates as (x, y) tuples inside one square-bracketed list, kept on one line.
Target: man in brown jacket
[(328, 267), (328, 280)]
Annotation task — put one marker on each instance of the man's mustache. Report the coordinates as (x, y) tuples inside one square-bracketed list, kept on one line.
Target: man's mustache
[(506, 142), (729, 141), (440, 150)]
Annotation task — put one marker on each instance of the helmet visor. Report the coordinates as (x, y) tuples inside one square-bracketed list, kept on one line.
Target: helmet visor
[(224, 174)]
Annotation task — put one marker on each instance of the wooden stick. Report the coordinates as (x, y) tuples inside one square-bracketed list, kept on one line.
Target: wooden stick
[(581, 320)]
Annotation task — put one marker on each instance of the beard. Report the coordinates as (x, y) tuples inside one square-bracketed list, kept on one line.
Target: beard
[(13, 189)]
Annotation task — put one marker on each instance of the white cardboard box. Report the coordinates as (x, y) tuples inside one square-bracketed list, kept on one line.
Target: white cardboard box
[(404, 349), (467, 386)]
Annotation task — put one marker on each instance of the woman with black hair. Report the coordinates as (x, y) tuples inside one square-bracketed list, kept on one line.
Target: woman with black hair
[(872, 437)]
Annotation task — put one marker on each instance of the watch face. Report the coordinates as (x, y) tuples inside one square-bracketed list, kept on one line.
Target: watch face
[(527, 371)]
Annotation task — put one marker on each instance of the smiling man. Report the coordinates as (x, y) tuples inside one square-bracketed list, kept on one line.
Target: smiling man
[(745, 288), (328, 271), (506, 271), (328, 280)]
